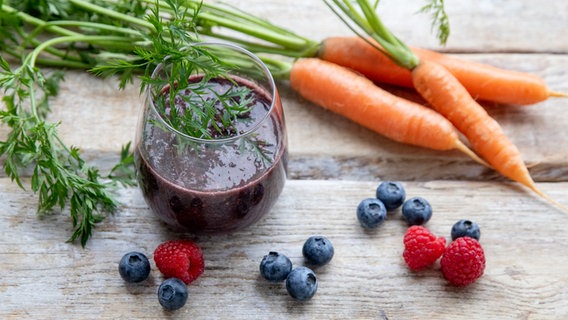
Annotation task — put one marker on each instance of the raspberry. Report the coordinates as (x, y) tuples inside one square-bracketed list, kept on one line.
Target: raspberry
[(463, 262), (422, 248), (181, 259)]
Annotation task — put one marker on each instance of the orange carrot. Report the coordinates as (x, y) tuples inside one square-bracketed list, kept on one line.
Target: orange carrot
[(355, 97), (355, 53), (482, 81), (450, 98), (444, 92)]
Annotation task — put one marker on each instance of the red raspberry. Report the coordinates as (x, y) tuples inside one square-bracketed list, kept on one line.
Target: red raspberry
[(422, 248), (181, 259), (463, 262)]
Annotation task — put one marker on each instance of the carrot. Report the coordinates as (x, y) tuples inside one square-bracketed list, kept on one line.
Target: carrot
[(355, 97), (437, 85), (482, 81), (355, 53), (487, 82), (444, 92), (447, 96)]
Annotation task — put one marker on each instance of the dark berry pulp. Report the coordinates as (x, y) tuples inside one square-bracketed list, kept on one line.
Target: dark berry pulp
[(215, 188)]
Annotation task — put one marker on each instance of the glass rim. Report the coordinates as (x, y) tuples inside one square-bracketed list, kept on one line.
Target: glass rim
[(249, 131)]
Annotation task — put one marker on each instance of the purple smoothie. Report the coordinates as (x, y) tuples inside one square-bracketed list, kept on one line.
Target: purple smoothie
[(220, 185)]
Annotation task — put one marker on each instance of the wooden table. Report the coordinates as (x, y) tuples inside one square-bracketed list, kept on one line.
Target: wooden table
[(333, 165)]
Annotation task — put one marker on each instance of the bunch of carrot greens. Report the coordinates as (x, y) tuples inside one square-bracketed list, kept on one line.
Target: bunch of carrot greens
[(107, 37), (60, 176), (126, 39)]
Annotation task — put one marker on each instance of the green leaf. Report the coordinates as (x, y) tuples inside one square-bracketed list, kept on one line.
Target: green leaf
[(124, 172), (4, 64), (440, 20)]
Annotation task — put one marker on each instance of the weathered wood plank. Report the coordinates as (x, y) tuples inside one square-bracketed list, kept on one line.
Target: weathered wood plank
[(524, 240), (312, 130), (476, 26), (334, 164), (99, 118)]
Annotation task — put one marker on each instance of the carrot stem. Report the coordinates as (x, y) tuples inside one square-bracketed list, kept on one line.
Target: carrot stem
[(370, 23)]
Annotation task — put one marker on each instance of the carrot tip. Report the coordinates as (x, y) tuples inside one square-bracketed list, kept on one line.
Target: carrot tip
[(557, 94), (532, 165), (463, 148), (547, 198)]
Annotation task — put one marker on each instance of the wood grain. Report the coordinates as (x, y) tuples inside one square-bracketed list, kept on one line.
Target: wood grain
[(524, 240), (99, 118), (476, 26), (333, 165)]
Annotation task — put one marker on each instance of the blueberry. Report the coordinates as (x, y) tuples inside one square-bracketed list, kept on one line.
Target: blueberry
[(134, 267), (318, 250), (391, 193), (416, 211), (466, 228), (302, 283), (172, 294), (371, 213), (275, 266)]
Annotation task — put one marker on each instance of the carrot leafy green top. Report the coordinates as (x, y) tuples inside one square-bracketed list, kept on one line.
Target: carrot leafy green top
[(365, 19), (107, 37)]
